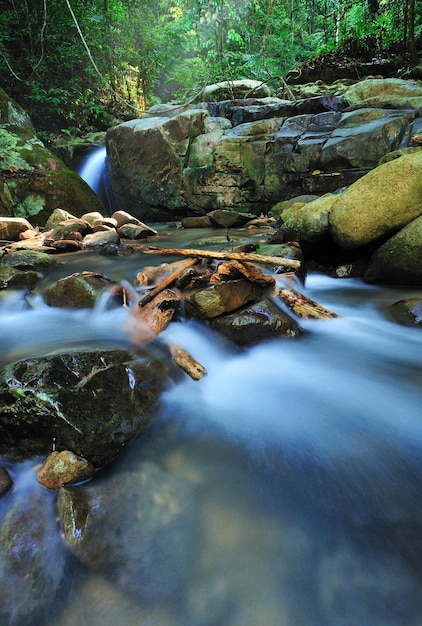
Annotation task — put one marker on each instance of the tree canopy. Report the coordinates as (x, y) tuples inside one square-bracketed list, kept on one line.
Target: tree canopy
[(73, 62)]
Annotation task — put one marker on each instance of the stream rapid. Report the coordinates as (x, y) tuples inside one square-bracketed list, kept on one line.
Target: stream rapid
[(296, 465)]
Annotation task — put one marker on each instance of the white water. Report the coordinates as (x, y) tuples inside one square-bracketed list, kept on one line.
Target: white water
[(304, 456), (92, 169)]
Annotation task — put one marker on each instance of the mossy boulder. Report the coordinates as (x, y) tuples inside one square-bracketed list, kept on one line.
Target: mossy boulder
[(33, 180), (378, 204), (398, 260), (35, 194), (385, 92)]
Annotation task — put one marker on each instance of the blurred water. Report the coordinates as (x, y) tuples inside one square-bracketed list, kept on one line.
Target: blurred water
[(296, 474)]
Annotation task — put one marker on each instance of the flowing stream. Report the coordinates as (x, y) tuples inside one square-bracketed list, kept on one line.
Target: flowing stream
[(293, 472)]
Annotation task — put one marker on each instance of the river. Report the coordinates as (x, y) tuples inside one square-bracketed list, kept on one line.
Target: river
[(292, 475)]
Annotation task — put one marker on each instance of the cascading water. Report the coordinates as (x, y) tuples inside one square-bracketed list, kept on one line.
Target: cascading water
[(282, 489), (93, 170)]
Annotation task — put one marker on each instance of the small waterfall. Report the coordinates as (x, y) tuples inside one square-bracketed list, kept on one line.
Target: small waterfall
[(93, 170)]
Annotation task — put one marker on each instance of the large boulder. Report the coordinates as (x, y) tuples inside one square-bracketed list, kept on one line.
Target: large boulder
[(92, 403), (33, 180), (385, 93), (147, 157), (379, 204), (398, 260)]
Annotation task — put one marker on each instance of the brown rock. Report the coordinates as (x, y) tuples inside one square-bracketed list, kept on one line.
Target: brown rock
[(221, 298), (64, 468)]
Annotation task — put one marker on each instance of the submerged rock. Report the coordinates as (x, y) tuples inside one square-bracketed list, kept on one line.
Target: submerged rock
[(136, 528), (32, 557), (407, 312)]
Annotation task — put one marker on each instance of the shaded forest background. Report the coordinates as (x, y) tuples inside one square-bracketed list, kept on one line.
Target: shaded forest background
[(72, 64)]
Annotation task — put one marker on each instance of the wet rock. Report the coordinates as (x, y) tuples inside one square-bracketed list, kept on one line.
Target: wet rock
[(229, 219), (93, 403), (202, 221), (77, 291), (11, 278), (101, 238), (12, 227), (64, 468), (398, 259), (93, 218), (258, 322), (5, 481), (407, 312), (137, 528), (222, 298), (72, 225), (122, 217), (135, 231), (30, 260), (32, 557), (379, 204)]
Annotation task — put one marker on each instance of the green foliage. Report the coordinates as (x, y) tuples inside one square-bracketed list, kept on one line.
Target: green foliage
[(120, 56)]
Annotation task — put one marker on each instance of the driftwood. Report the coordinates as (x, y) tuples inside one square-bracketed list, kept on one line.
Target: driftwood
[(186, 362), (253, 257), (302, 306), (234, 269), (159, 312), (166, 282)]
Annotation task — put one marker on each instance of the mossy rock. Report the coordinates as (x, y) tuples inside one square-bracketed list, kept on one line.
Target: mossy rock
[(36, 194)]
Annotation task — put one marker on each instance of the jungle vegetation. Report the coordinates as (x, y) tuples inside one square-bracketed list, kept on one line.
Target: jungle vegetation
[(72, 63)]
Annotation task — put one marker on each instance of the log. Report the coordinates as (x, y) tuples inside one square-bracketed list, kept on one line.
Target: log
[(166, 282), (302, 306), (253, 257)]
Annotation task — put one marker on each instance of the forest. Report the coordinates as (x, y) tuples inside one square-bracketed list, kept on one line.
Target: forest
[(74, 64)]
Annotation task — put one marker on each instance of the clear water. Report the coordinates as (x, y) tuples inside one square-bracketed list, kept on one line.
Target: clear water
[(292, 474)]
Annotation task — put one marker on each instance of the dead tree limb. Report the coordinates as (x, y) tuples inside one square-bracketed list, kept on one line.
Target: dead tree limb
[(253, 257), (166, 282), (302, 306)]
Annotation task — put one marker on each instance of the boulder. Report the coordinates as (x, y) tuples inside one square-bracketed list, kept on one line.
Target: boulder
[(235, 89), (385, 93), (305, 223), (398, 260), (136, 529), (147, 158), (33, 180), (91, 403), (257, 322), (379, 204), (32, 557), (407, 312), (35, 194)]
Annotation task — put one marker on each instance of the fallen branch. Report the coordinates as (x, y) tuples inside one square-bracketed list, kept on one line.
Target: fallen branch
[(253, 257), (186, 362), (166, 282), (302, 306)]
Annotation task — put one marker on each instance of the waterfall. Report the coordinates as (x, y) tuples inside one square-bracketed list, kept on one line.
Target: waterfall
[(94, 171)]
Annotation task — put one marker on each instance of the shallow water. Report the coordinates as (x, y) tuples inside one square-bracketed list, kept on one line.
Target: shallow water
[(295, 469)]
